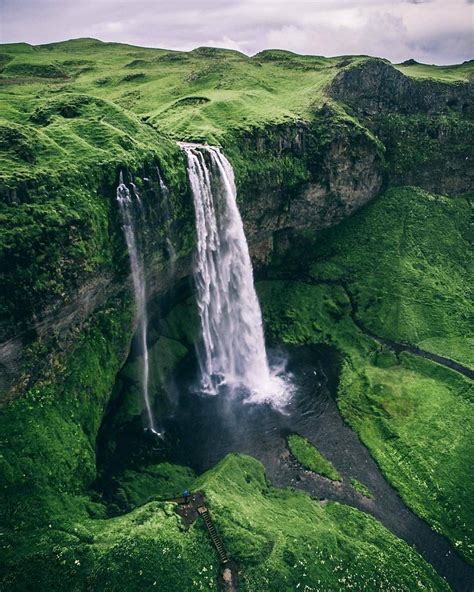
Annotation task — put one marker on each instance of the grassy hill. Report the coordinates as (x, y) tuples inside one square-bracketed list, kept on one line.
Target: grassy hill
[(452, 73), (401, 268), (89, 100), (194, 95)]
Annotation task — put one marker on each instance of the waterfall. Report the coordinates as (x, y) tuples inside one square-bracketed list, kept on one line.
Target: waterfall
[(165, 193), (125, 202), (231, 351)]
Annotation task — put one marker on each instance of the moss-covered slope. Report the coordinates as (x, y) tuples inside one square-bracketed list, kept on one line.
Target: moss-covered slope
[(406, 262), (48, 437), (401, 268), (281, 541)]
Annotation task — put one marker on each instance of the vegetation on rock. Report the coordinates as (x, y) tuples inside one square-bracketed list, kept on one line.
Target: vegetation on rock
[(361, 488), (310, 457), (279, 538)]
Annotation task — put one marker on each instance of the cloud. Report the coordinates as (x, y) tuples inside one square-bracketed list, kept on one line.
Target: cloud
[(433, 31)]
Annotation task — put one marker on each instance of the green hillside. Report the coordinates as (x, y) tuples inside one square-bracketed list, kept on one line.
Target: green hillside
[(89, 99), (401, 268)]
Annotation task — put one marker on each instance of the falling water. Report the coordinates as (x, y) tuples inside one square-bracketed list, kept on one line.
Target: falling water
[(124, 199), (232, 351), (164, 188), (165, 193)]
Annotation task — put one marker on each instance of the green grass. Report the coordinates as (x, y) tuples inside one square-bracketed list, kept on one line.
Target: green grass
[(153, 482), (62, 147), (406, 263), (296, 313), (280, 539), (454, 73), (361, 488), (63, 130), (286, 541), (48, 434), (409, 417), (146, 549), (426, 149), (310, 457), (199, 94)]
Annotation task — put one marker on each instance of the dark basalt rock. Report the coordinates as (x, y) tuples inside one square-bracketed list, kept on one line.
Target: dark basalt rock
[(426, 126), (375, 86), (341, 169)]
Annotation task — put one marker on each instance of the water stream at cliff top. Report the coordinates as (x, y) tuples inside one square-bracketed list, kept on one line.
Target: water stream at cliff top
[(127, 211), (231, 352)]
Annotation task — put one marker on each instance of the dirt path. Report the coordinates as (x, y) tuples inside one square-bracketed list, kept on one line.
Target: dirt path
[(400, 347)]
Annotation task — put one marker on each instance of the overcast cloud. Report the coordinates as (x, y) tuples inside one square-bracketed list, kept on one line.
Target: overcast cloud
[(431, 31)]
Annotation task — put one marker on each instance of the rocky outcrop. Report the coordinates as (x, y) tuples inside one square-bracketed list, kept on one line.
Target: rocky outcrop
[(59, 325), (435, 153), (375, 86), (425, 125), (305, 176)]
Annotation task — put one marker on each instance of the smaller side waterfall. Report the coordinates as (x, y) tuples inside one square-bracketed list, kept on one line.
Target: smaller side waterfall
[(126, 205), (165, 193), (232, 349)]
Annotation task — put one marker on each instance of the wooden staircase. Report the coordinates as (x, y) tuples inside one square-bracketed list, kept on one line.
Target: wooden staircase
[(192, 505), (216, 539)]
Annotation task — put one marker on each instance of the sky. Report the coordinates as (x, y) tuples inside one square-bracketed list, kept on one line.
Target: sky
[(429, 31)]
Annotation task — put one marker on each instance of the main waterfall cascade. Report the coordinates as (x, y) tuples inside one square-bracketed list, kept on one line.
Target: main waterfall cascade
[(127, 211), (231, 352)]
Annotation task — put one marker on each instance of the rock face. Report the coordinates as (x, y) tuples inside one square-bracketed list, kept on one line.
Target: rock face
[(426, 126), (375, 86), (54, 328), (59, 325), (353, 173), (342, 169)]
